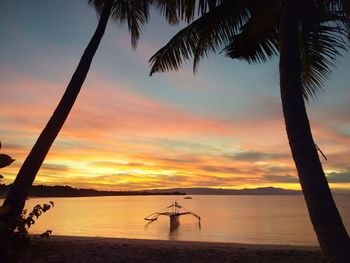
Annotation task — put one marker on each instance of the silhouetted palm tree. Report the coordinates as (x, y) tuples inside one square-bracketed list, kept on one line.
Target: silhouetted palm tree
[(132, 12), (308, 35)]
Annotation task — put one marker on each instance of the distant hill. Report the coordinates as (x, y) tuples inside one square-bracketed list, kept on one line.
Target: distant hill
[(68, 191), (246, 191)]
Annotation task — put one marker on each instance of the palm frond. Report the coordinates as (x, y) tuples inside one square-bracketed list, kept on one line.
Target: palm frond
[(258, 40), (134, 13), (345, 8), (343, 5), (213, 41), (206, 34), (207, 5), (320, 45), (253, 50), (183, 10), (97, 4), (175, 11), (169, 9), (342, 8)]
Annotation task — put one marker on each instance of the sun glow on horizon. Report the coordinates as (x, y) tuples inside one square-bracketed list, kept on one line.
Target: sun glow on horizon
[(222, 128)]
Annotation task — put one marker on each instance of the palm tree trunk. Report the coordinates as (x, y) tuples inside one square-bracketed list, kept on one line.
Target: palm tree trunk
[(331, 233), (18, 193)]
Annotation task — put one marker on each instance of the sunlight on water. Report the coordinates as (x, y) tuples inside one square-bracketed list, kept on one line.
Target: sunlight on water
[(244, 219)]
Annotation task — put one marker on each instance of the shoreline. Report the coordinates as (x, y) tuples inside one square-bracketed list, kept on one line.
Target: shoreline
[(100, 249), (63, 238)]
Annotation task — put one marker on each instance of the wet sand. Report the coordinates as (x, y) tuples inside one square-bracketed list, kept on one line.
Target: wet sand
[(91, 250)]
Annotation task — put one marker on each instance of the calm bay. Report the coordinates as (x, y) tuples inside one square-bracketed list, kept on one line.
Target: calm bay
[(243, 219)]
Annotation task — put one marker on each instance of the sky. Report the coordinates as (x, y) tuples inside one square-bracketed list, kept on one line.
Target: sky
[(221, 127)]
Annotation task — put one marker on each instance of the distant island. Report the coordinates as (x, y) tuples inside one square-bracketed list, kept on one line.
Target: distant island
[(220, 191), (68, 191)]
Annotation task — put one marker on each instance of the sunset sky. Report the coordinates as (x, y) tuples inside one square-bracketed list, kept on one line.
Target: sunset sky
[(222, 127)]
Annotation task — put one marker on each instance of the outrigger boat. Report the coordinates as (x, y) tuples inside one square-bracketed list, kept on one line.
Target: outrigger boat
[(174, 215)]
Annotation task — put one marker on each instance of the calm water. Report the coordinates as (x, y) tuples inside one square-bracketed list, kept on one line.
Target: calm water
[(244, 219)]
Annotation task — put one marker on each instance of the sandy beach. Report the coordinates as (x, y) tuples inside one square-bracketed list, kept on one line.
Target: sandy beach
[(91, 250)]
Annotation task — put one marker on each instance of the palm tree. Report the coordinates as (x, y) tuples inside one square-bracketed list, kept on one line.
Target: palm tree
[(18, 193), (308, 35), (135, 14)]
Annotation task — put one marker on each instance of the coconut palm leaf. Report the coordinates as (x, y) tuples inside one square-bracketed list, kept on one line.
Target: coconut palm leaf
[(238, 27), (344, 6), (320, 46), (257, 43), (134, 13), (253, 50), (171, 10), (309, 35), (179, 10), (5, 160), (176, 10), (206, 34)]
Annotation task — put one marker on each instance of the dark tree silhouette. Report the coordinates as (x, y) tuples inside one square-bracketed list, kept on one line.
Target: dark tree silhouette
[(135, 14), (5, 160), (308, 35)]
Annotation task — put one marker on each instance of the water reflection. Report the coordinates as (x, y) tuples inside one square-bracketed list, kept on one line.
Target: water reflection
[(245, 219), (173, 232), (175, 229)]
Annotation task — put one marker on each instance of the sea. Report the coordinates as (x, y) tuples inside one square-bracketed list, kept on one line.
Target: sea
[(281, 220)]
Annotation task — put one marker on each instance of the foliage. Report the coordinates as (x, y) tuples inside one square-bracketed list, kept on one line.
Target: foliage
[(248, 30), (5, 160), (311, 33), (135, 14), (25, 222), (20, 238)]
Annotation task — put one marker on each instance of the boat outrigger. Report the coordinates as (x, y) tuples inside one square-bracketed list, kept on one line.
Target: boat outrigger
[(174, 215)]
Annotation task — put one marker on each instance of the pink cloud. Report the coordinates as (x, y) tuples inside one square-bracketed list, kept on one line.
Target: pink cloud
[(110, 123)]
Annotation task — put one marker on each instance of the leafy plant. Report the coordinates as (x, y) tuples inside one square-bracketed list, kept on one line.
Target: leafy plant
[(20, 238), (5, 160), (25, 222)]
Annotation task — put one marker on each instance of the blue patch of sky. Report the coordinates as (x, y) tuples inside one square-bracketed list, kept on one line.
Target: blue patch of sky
[(42, 33), (220, 86), (57, 32)]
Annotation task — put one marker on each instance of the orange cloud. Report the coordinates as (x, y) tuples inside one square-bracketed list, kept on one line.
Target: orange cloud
[(118, 139)]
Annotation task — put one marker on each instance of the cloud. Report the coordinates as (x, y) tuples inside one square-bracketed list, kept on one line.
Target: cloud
[(339, 177), (149, 143), (250, 156), (221, 127), (117, 164), (55, 167), (221, 169), (184, 160), (280, 178)]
